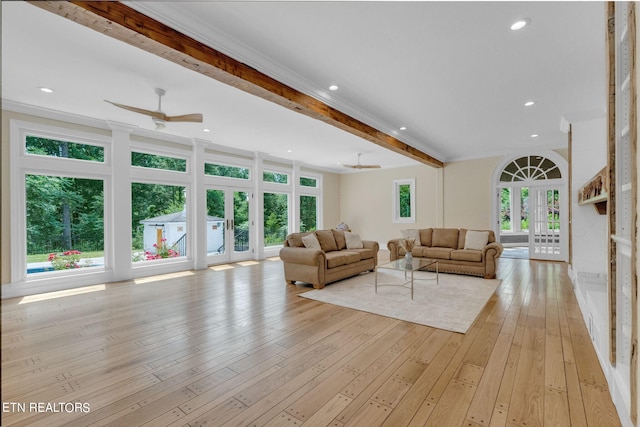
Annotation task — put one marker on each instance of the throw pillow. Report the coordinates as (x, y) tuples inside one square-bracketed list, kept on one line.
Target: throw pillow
[(311, 241), (327, 241), (353, 240), (338, 235), (411, 233), (476, 239)]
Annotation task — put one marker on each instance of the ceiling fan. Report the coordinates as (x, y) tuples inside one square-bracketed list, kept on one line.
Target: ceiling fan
[(361, 166), (158, 116)]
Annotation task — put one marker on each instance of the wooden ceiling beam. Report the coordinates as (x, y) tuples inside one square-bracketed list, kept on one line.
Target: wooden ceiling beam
[(130, 26)]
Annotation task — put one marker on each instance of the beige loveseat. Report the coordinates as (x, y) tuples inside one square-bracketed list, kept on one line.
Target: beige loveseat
[(447, 245), (332, 261)]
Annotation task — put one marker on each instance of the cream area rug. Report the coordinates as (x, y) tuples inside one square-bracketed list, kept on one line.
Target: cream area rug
[(452, 304)]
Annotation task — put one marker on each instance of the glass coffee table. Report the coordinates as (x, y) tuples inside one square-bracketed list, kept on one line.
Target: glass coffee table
[(401, 264)]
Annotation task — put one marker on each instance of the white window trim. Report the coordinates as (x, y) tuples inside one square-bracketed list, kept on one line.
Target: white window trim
[(24, 164), (397, 219)]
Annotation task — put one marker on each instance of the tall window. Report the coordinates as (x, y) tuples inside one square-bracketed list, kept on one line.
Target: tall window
[(65, 223), (309, 202), (308, 213), (64, 208), (515, 180), (276, 218), (404, 201), (159, 221)]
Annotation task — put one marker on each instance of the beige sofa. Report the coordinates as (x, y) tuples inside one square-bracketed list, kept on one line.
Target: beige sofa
[(447, 245), (330, 262)]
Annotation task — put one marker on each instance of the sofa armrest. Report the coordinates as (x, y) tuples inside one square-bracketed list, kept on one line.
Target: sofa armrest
[(493, 249), (394, 247), (375, 247), (305, 256), (370, 244)]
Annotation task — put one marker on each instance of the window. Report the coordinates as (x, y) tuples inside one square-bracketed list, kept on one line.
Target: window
[(159, 221), (275, 177), (308, 213), (65, 223), (404, 204), (276, 218), (308, 182), (65, 149), (158, 162), (506, 213), (535, 168), (226, 171)]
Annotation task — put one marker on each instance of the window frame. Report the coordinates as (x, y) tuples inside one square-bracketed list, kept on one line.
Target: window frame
[(23, 164)]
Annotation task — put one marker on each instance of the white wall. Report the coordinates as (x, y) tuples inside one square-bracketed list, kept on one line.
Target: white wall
[(366, 201), (589, 156), (588, 267)]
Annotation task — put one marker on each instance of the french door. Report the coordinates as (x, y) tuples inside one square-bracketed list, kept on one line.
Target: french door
[(546, 231), (228, 224)]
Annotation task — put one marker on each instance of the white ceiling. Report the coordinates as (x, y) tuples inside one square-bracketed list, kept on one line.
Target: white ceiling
[(453, 73)]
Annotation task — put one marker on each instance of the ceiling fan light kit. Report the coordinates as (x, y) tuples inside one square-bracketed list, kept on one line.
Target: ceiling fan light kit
[(159, 118)]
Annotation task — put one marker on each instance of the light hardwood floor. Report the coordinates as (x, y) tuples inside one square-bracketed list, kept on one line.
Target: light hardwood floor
[(237, 346)]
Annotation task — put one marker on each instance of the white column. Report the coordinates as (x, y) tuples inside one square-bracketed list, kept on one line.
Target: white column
[(198, 214), (258, 205), (119, 223), (294, 221)]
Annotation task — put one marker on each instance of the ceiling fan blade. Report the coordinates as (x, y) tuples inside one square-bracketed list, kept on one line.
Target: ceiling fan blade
[(155, 114), (362, 166), (185, 118)]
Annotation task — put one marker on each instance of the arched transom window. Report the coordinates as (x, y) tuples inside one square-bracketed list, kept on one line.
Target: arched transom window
[(534, 168)]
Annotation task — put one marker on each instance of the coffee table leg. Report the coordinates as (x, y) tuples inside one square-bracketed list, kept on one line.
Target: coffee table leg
[(376, 281), (411, 284)]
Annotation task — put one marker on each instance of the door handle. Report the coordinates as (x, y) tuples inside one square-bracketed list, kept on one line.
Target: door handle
[(232, 225)]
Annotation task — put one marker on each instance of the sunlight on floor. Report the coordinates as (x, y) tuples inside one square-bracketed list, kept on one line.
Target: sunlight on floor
[(159, 277), (61, 294), (221, 267), (247, 263)]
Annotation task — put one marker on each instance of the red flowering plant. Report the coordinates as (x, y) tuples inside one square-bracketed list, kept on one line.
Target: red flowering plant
[(162, 251), (65, 260)]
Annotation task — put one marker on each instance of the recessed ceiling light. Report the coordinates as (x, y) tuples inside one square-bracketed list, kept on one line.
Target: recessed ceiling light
[(45, 89), (518, 25), (403, 128), (535, 135), (333, 87), (206, 130), (529, 103), (289, 151)]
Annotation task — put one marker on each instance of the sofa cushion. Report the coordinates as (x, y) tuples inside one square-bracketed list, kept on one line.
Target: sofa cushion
[(476, 239), (338, 235), (327, 242), (444, 238), (336, 259), (425, 236), (411, 233), (351, 257), (363, 253), (311, 241), (353, 240), (440, 253), (467, 255), (419, 251), (295, 239)]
